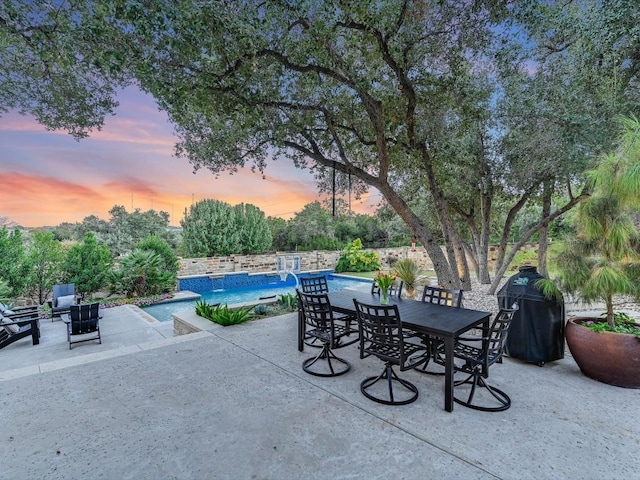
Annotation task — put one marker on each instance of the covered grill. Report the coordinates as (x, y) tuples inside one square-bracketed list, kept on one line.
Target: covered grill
[(537, 331)]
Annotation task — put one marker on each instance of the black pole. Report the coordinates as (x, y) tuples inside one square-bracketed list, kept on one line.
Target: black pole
[(333, 210), (349, 193)]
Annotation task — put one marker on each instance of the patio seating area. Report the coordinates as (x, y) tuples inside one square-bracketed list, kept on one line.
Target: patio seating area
[(234, 402)]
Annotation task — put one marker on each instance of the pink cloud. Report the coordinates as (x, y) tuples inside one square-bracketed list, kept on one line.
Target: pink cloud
[(48, 177)]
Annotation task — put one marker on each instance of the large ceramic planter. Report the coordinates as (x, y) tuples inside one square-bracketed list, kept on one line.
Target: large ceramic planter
[(612, 358)]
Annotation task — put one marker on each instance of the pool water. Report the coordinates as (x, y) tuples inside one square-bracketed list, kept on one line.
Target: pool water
[(163, 311)]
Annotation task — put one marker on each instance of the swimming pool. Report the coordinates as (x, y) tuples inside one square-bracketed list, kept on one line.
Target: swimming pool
[(163, 311)]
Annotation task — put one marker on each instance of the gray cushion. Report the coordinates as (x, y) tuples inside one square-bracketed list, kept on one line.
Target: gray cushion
[(11, 328), (66, 301)]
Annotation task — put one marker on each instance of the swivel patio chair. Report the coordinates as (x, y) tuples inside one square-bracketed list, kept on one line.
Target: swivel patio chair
[(394, 291), (477, 360), (437, 296), (314, 284), (319, 285), (442, 296), (319, 318), (84, 323), (381, 335), (64, 295)]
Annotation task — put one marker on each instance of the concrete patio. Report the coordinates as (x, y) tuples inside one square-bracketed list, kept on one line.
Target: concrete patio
[(233, 402)]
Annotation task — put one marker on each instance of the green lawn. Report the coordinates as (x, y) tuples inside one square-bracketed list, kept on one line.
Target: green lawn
[(369, 275)]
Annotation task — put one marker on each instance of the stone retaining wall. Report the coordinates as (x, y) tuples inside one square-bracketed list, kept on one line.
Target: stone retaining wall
[(309, 261)]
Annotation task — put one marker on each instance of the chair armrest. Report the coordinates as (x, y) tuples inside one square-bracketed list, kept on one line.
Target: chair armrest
[(19, 321), (25, 308), (20, 315)]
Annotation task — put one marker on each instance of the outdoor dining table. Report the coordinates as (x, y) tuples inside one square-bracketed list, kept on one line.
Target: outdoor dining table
[(435, 320)]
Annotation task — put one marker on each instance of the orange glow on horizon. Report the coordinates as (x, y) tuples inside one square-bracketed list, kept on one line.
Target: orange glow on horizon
[(47, 178), (34, 200)]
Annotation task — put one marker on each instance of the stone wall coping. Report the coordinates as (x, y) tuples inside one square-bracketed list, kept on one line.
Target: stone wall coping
[(224, 274)]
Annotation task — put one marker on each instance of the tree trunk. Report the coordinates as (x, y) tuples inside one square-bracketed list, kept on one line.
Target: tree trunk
[(444, 215), (483, 267), (610, 317), (471, 257), (504, 239), (457, 257), (543, 241), (441, 266), (483, 240), (527, 235)]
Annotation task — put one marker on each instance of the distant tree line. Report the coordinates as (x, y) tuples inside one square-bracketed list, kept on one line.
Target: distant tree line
[(136, 253), (213, 227)]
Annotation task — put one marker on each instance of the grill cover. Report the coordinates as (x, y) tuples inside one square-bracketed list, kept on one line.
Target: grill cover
[(536, 333)]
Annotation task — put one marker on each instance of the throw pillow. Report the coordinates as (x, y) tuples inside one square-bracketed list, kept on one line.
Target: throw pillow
[(66, 301)]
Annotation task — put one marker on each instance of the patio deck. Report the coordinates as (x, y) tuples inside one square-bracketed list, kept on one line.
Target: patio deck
[(234, 403)]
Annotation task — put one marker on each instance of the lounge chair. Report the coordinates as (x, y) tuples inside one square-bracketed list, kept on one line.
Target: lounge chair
[(84, 323), (64, 295), (14, 326)]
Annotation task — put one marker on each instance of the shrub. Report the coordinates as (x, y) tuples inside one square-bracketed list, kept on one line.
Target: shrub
[(355, 260), (88, 264), (261, 309), (222, 314), (139, 301), (289, 301), (5, 292), (141, 274), (410, 273), (205, 309), (161, 247)]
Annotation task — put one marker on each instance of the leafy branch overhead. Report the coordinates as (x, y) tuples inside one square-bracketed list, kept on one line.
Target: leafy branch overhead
[(455, 110)]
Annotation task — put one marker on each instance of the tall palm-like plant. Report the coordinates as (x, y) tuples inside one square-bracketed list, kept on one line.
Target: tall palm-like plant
[(141, 274), (603, 259), (410, 273)]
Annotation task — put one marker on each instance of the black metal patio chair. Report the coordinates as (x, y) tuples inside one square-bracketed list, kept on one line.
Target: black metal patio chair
[(320, 322), (319, 285), (437, 296), (316, 284), (394, 291), (381, 335), (477, 355)]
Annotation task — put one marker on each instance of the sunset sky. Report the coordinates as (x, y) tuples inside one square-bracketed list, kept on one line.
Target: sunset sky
[(48, 177)]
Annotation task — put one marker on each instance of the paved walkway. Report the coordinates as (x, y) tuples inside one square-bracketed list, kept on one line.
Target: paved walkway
[(234, 403)]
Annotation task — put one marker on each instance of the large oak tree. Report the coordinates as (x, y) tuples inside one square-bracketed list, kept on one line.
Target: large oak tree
[(398, 95)]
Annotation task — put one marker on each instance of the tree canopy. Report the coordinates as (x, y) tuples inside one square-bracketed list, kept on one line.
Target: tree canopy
[(212, 227), (404, 96), (87, 264)]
